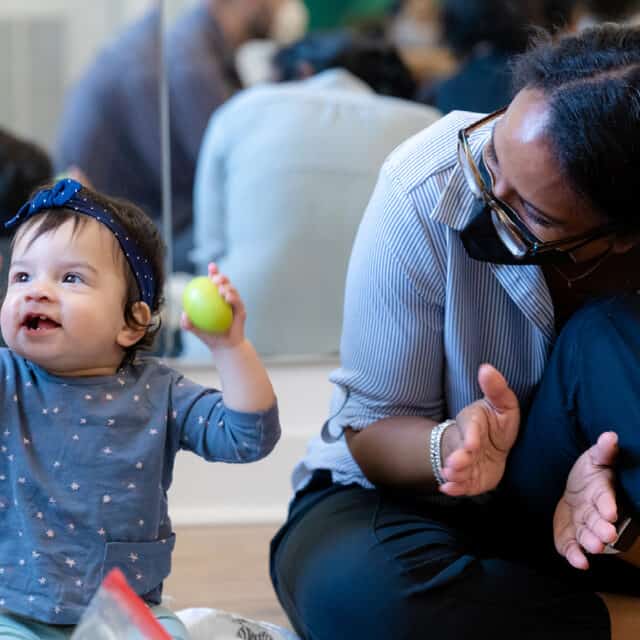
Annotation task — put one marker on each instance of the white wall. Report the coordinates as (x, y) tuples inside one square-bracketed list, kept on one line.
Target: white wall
[(44, 46), (220, 493)]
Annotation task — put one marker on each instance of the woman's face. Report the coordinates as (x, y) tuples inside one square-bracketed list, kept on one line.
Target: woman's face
[(528, 177)]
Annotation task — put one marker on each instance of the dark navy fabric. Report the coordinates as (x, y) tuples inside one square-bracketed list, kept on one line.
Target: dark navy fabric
[(85, 466), (482, 84), (591, 385), (387, 564), (361, 564)]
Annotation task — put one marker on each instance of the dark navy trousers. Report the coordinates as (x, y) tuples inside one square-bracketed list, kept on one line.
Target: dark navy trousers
[(352, 563)]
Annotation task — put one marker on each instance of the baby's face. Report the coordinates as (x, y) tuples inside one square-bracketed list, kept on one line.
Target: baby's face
[(64, 307)]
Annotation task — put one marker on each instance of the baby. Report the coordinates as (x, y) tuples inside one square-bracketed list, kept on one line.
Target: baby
[(90, 431)]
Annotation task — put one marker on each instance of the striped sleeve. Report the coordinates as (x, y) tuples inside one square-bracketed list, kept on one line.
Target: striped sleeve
[(392, 340)]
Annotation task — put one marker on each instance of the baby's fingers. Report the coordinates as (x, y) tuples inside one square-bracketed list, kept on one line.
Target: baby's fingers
[(575, 557), (185, 323)]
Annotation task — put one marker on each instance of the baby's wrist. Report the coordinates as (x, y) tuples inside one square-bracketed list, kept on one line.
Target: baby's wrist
[(229, 349)]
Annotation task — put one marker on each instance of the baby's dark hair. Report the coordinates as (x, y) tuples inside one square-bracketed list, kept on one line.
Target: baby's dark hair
[(140, 229)]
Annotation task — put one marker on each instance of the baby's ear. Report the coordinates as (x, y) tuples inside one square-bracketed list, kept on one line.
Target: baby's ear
[(130, 334)]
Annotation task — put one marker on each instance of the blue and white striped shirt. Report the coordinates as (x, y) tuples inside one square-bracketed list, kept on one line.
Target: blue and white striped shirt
[(420, 316)]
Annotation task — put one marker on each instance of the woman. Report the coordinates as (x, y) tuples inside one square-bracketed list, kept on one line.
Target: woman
[(481, 239)]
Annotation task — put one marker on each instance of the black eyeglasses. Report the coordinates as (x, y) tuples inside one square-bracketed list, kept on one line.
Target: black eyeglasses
[(511, 230)]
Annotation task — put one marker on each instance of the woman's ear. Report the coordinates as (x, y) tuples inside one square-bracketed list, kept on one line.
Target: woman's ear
[(130, 334)]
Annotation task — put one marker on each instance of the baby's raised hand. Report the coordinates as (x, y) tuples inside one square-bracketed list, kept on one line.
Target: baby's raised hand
[(235, 334)]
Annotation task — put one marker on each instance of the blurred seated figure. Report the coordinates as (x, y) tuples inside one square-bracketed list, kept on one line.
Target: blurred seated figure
[(414, 27), (483, 35), (110, 128), (284, 175), (23, 167)]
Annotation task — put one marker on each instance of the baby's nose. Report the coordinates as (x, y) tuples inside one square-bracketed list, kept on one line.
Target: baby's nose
[(39, 290)]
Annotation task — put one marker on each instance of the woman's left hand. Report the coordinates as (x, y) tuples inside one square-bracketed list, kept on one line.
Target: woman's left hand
[(585, 516)]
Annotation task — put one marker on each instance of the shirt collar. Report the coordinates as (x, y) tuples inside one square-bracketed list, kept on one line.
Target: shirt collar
[(455, 205), (338, 79)]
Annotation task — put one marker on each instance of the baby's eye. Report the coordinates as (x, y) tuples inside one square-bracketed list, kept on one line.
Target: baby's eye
[(20, 276), (72, 278)]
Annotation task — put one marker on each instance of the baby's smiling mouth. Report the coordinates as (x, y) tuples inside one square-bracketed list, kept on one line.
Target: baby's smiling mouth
[(39, 322)]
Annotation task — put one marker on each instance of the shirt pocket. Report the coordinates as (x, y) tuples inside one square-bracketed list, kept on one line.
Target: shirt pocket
[(144, 564)]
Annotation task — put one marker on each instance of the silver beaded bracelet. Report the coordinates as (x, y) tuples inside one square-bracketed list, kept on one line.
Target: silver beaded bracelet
[(435, 449)]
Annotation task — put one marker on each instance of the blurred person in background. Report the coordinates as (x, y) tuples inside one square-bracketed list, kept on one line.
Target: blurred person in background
[(415, 28), (284, 175), (23, 167), (110, 128), (484, 35)]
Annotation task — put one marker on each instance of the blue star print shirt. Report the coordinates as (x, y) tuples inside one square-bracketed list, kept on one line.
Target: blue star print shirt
[(85, 465)]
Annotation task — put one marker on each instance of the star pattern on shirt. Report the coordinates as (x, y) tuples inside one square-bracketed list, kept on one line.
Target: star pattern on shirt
[(54, 527)]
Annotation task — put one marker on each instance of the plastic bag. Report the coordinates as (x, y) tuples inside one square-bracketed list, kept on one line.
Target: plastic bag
[(116, 612), (213, 624)]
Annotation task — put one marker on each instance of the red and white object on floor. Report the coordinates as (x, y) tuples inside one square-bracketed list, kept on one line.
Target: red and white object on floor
[(116, 611)]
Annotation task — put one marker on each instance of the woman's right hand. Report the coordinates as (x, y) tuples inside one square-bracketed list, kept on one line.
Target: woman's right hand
[(475, 454)]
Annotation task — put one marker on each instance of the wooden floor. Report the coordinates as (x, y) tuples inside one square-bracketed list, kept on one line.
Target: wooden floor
[(224, 567)]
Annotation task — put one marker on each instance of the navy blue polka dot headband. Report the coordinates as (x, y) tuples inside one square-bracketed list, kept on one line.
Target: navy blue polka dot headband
[(65, 194)]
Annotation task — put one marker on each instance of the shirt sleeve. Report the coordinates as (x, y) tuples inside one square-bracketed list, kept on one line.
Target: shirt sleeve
[(89, 132), (392, 342), (206, 426)]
